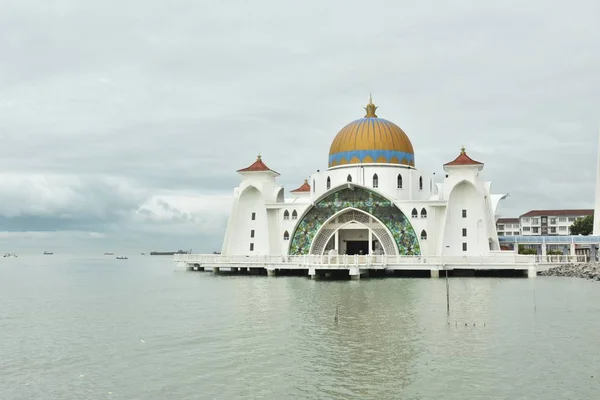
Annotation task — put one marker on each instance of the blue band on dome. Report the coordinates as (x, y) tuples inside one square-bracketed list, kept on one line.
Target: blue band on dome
[(374, 154)]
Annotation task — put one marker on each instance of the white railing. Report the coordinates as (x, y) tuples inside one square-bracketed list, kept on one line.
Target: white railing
[(561, 259), (501, 258)]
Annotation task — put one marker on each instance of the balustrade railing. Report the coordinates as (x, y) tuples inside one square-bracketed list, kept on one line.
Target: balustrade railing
[(375, 260)]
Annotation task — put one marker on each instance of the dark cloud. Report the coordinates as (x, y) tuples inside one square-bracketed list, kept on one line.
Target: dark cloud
[(108, 107)]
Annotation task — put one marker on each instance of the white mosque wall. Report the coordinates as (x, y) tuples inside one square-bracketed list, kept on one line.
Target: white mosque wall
[(415, 184), (251, 227), (436, 228), (465, 223), (274, 227), (438, 208)]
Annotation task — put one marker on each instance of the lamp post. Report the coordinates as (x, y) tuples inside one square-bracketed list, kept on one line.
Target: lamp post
[(445, 266)]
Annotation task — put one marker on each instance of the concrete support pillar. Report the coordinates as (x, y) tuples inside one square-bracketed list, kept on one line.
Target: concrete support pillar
[(216, 270), (270, 271), (313, 273), (435, 273), (532, 272), (370, 242), (572, 252), (354, 273)]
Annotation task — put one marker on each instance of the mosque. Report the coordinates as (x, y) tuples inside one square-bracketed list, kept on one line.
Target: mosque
[(372, 199)]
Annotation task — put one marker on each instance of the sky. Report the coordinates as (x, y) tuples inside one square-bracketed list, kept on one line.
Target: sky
[(123, 121)]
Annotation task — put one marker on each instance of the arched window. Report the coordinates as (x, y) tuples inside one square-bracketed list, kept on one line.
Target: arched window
[(414, 213), (286, 214), (286, 235), (328, 183), (349, 178), (420, 183), (375, 181), (314, 186), (423, 235), (399, 181), (294, 215), (423, 213)]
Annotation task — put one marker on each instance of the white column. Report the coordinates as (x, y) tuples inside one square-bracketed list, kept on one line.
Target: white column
[(544, 248), (336, 241), (596, 230), (370, 242)]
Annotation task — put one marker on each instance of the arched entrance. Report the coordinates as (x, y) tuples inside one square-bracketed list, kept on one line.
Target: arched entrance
[(360, 198), (352, 231)]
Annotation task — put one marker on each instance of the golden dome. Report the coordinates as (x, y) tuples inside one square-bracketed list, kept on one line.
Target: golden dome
[(371, 140)]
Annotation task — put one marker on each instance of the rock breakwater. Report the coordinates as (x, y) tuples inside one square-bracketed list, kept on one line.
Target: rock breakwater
[(586, 271)]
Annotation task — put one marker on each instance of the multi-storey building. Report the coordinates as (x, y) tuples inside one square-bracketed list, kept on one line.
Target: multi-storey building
[(540, 223), (550, 222), (508, 227)]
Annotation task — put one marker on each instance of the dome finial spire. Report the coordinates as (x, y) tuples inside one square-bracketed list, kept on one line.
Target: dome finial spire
[(370, 108)]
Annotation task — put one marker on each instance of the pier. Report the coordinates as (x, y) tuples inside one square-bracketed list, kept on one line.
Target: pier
[(500, 263)]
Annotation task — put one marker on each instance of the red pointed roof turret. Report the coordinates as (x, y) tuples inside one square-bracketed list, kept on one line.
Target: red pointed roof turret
[(304, 188), (257, 166), (462, 160)]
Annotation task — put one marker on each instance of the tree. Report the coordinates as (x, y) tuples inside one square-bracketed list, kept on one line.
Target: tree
[(582, 226)]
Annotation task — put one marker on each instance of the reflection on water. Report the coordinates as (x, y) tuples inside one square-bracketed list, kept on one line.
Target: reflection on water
[(97, 328)]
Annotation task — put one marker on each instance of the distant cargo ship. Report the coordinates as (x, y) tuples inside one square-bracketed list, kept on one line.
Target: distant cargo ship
[(169, 253)]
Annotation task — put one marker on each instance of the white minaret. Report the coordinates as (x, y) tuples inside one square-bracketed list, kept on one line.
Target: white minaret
[(597, 204)]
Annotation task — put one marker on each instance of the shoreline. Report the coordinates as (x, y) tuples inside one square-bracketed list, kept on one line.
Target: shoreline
[(586, 271)]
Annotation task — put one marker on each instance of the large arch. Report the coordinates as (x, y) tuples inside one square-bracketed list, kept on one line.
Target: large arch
[(363, 199), (345, 217)]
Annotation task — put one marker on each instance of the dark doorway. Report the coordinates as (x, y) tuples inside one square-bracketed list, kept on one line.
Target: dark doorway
[(357, 247)]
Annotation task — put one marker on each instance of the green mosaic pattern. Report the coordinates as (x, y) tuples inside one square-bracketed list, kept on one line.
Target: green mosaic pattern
[(362, 199)]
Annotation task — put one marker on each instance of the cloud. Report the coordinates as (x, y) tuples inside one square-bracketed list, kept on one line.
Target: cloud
[(129, 118)]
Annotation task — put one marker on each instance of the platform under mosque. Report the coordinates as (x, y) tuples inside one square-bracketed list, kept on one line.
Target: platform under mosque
[(356, 266), (372, 212)]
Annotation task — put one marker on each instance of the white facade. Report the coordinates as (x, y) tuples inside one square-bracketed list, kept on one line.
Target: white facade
[(371, 200), (508, 227), (453, 217)]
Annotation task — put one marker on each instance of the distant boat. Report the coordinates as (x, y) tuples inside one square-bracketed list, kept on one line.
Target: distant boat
[(10, 255), (143, 254), (109, 254), (170, 253), (121, 258), (48, 253)]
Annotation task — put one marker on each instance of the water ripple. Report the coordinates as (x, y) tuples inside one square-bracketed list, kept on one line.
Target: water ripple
[(96, 329)]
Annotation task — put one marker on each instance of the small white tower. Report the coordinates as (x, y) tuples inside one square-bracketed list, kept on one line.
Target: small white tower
[(596, 230)]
